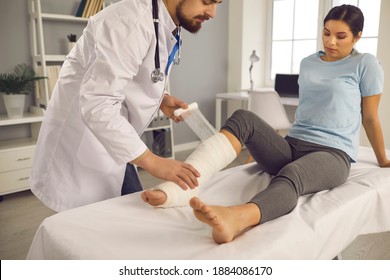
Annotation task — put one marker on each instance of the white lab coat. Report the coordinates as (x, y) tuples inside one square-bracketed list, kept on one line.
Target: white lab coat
[(103, 101)]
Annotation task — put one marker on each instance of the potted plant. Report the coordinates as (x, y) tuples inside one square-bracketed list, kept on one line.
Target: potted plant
[(72, 38), (15, 86)]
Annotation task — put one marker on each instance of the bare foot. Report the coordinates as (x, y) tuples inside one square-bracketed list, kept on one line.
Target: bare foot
[(226, 222), (154, 197)]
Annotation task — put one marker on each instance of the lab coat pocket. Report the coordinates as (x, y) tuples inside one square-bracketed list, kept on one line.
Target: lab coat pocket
[(92, 154)]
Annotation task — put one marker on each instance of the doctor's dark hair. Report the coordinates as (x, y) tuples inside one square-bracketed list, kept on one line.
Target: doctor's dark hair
[(350, 14)]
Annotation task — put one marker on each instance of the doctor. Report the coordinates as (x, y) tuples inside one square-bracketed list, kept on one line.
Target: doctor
[(110, 86)]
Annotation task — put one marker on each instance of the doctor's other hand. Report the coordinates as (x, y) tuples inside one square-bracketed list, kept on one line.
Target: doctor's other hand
[(182, 174), (169, 104)]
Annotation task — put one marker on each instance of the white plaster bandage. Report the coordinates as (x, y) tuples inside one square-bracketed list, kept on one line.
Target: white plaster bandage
[(209, 157)]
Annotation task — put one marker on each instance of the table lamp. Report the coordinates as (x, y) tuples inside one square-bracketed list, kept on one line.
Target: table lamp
[(252, 58)]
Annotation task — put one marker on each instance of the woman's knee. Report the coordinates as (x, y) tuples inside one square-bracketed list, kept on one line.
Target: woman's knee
[(242, 113), (240, 124), (291, 175)]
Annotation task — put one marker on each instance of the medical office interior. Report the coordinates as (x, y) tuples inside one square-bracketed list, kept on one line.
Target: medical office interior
[(215, 62)]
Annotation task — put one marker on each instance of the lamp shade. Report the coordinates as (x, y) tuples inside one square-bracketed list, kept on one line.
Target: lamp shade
[(253, 57)]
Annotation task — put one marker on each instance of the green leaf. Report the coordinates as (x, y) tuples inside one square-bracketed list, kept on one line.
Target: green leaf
[(20, 81)]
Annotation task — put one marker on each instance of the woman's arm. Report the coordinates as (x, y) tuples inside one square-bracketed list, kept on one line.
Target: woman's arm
[(373, 128)]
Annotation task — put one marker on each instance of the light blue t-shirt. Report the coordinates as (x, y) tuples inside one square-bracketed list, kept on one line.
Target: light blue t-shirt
[(330, 96)]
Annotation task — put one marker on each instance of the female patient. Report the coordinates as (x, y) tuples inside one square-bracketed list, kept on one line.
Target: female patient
[(339, 89)]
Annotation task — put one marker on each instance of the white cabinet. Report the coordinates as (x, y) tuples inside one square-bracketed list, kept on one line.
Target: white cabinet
[(16, 154)]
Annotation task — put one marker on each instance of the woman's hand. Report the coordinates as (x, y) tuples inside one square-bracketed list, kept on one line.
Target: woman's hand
[(169, 104), (385, 163)]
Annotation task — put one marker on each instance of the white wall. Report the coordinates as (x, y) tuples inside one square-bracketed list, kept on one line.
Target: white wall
[(247, 32), (203, 69), (235, 45)]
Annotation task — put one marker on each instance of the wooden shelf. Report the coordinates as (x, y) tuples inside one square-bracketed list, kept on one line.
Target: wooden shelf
[(17, 143), (27, 118), (50, 58), (158, 127), (62, 18)]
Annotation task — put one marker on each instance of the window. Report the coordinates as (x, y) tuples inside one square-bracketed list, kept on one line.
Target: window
[(296, 32), (371, 10)]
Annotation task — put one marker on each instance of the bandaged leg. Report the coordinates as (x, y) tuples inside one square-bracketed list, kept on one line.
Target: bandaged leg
[(209, 157)]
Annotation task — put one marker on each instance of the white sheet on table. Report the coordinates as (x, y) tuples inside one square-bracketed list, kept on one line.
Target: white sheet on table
[(320, 227)]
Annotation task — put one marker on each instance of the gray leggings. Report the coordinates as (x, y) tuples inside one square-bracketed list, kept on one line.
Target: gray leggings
[(299, 167)]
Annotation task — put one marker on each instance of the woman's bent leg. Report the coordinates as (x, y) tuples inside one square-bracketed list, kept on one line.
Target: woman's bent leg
[(311, 173), (269, 149)]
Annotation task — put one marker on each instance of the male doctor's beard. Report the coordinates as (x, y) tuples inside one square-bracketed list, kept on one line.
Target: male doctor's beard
[(191, 25)]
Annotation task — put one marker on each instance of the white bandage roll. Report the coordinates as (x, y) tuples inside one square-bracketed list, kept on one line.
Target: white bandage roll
[(209, 157), (194, 118), (182, 112)]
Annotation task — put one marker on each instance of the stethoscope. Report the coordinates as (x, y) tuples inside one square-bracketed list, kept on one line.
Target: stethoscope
[(157, 75)]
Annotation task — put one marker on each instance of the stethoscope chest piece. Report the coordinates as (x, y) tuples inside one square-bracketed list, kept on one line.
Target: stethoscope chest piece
[(157, 75)]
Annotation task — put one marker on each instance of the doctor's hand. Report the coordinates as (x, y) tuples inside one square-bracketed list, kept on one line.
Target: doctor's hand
[(182, 174), (169, 104)]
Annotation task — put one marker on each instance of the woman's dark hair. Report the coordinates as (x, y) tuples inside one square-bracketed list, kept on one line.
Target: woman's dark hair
[(350, 14)]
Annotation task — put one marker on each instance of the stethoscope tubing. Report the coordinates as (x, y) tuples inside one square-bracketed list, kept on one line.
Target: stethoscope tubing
[(156, 74), (156, 23)]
